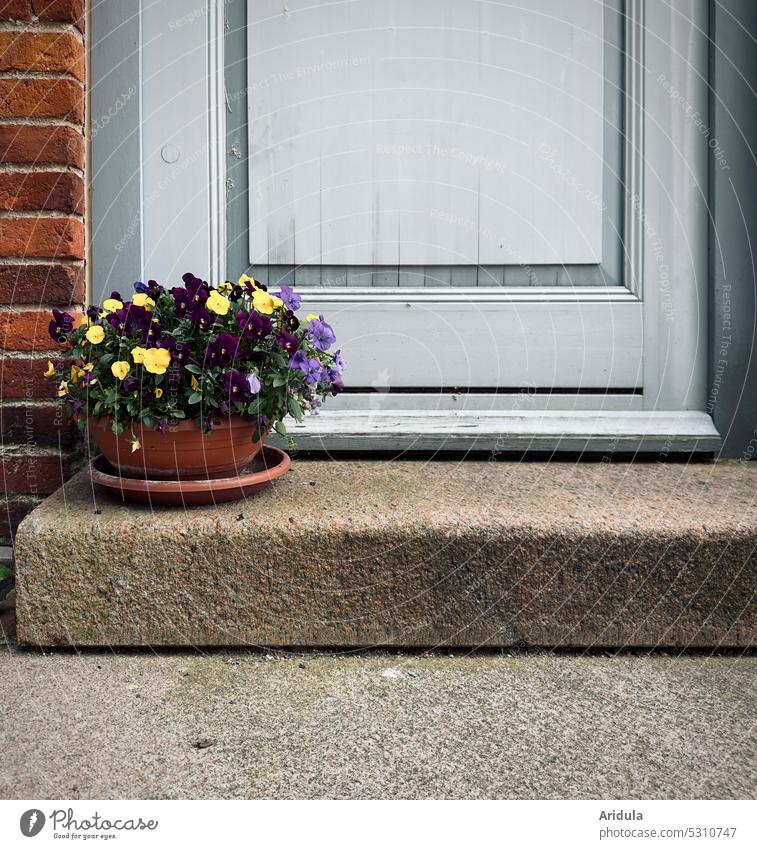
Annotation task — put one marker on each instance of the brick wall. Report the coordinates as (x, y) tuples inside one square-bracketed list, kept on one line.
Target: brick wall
[(42, 236)]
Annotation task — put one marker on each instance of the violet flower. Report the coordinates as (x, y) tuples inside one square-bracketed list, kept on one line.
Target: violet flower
[(61, 325), (222, 350), (288, 341), (254, 325), (236, 385), (253, 383), (292, 300), (311, 368), (322, 334)]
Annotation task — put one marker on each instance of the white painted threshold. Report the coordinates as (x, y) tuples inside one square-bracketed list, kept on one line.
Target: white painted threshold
[(518, 431)]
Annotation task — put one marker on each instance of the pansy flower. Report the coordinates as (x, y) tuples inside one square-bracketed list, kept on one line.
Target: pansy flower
[(254, 325), (288, 341), (222, 350), (321, 333), (253, 383), (151, 288), (236, 386), (292, 300), (61, 325), (310, 367)]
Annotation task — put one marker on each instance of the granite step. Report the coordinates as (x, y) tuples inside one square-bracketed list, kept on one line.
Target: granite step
[(406, 553)]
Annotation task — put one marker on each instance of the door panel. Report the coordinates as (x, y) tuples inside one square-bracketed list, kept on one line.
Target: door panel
[(443, 132)]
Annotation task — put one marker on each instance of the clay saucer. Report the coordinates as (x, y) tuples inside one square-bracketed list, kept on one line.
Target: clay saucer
[(269, 464)]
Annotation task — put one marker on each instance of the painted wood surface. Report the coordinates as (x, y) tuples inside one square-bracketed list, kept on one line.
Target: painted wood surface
[(396, 343), (445, 132), (514, 431)]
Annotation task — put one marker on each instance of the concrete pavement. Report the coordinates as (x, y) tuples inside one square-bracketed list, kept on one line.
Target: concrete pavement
[(388, 725)]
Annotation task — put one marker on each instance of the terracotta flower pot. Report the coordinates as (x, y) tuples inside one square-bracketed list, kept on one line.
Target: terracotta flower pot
[(183, 452)]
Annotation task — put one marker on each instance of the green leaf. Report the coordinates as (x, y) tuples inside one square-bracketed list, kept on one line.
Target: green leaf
[(193, 368), (195, 398), (5, 572), (280, 428), (178, 414), (148, 420), (295, 409)]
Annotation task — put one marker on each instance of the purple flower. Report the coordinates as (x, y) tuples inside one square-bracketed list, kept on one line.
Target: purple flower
[(152, 288), (236, 385), (196, 288), (254, 325), (130, 385), (181, 353), (75, 405), (322, 334), (311, 368), (291, 299), (253, 383), (207, 424), (289, 321), (61, 325), (162, 426), (93, 313), (222, 350), (191, 305), (223, 408), (337, 386), (339, 362), (130, 318), (288, 342)]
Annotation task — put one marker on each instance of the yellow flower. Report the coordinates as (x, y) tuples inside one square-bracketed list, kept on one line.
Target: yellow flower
[(76, 374), (135, 445), (50, 369), (112, 304), (311, 316), (158, 392), (263, 302), (95, 334), (277, 302), (157, 360), (120, 369), (138, 354), (85, 321), (244, 280), (195, 384), (225, 287), (217, 303), (62, 389), (142, 299)]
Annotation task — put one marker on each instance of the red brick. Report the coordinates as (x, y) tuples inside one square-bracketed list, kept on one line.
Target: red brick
[(62, 11), (13, 511), (33, 474), (15, 10), (43, 52), (61, 285), (26, 330), (35, 98), (24, 378), (57, 238), (32, 424), (34, 145), (62, 191)]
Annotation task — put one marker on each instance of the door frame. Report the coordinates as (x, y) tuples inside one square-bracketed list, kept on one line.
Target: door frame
[(159, 208)]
